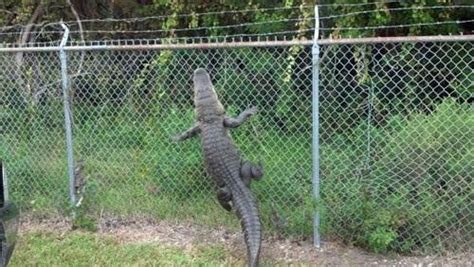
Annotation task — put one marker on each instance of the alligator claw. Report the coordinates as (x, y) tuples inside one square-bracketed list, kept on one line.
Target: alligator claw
[(174, 138), (252, 110)]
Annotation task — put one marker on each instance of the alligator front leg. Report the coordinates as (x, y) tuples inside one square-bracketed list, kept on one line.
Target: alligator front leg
[(249, 171), (230, 122), (191, 132)]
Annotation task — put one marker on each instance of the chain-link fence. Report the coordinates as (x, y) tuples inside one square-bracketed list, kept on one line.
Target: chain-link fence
[(396, 135)]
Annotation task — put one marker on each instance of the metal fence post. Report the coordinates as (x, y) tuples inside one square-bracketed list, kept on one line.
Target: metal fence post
[(4, 194), (315, 139), (67, 117)]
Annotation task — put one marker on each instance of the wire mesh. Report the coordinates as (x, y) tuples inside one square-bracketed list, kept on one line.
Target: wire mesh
[(396, 137), (32, 141)]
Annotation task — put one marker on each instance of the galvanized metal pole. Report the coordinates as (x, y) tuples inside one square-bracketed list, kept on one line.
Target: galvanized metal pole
[(315, 141), (67, 117), (3, 169)]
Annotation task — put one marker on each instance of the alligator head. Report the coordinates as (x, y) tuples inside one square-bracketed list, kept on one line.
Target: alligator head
[(208, 106)]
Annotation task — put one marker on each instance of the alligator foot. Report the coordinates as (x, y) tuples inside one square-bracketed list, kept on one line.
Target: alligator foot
[(224, 196), (248, 171)]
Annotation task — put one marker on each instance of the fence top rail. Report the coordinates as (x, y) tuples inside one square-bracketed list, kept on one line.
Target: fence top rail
[(147, 45)]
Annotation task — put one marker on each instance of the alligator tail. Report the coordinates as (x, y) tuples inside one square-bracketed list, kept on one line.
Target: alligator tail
[(247, 211)]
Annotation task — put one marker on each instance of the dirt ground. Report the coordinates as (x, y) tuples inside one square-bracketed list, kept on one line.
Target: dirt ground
[(286, 252)]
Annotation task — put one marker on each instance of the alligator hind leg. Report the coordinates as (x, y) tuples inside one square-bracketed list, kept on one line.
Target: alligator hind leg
[(249, 171), (224, 196)]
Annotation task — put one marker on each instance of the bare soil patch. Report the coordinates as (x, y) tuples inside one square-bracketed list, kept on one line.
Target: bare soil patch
[(187, 235)]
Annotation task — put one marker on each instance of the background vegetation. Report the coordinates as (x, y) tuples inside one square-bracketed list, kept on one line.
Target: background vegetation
[(43, 11)]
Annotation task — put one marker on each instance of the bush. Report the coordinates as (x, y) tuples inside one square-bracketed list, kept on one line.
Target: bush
[(415, 195), (396, 78)]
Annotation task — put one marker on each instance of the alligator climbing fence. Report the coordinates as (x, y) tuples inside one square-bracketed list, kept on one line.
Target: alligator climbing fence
[(396, 133)]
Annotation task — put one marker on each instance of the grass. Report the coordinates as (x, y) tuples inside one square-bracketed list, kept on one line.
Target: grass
[(89, 249), (133, 169), (416, 189)]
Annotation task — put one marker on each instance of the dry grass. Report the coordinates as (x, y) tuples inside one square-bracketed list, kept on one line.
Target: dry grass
[(51, 242)]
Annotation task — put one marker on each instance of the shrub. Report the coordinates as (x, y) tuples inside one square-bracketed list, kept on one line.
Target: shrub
[(415, 195)]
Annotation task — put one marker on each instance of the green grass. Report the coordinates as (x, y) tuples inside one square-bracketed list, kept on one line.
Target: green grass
[(88, 249), (133, 169)]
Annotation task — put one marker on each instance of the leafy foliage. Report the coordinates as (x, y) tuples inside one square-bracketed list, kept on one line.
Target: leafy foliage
[(409, 194), (402, 13), (21, 12), (374, 82)]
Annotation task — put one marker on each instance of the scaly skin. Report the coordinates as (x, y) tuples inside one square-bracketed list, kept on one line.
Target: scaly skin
[(223, 161)]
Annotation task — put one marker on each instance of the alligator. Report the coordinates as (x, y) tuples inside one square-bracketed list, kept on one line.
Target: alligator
[(231, 173)]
